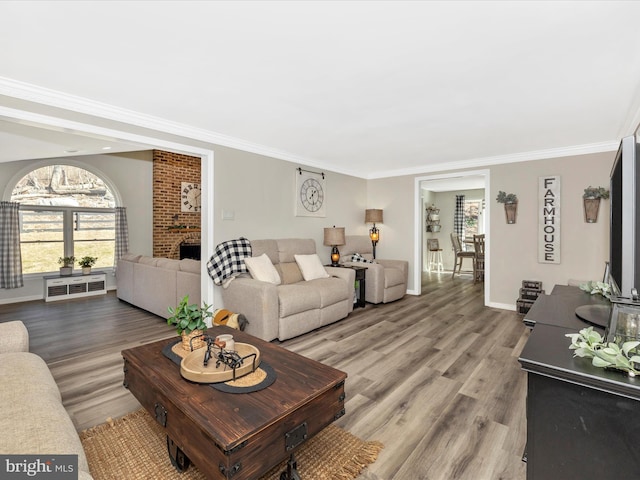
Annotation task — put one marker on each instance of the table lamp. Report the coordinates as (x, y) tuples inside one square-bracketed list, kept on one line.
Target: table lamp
[(333, 237)]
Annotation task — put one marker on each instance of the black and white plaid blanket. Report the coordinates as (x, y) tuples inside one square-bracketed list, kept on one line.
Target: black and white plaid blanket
[(356, 257), (228, 260)]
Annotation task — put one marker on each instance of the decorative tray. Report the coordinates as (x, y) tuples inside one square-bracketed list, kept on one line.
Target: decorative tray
[(192, 366)]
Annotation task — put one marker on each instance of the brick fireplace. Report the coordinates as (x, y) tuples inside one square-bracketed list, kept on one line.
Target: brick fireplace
[(172, 227)]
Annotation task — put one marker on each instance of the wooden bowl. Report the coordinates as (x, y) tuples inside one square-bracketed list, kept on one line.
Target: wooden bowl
[(192, 367)]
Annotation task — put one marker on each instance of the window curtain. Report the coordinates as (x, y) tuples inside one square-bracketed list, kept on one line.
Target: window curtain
[(122, 235), (10, 256), (458, 217)]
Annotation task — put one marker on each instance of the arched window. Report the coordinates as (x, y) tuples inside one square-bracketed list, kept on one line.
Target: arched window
[(64, 211)]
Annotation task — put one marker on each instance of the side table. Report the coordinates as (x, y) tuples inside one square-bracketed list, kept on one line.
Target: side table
[(361, 279)]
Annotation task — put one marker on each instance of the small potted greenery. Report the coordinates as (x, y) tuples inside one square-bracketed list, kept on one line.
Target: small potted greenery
[(590, 344), (595, 287), (86, 263), (190, 322), (510, 201), (67, 266), (591, 199)]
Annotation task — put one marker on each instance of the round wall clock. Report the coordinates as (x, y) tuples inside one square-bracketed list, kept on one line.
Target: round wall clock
[(190, 197), (310, 195)]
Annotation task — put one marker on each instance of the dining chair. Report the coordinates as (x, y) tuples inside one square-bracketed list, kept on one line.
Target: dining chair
[(460, 254)]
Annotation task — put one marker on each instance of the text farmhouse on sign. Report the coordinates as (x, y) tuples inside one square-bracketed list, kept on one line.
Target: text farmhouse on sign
[(549, 219)]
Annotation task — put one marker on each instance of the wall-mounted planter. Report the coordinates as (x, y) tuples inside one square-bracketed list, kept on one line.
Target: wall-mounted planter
[(511, 212), (591, 208), (591, 200), (510, 201)]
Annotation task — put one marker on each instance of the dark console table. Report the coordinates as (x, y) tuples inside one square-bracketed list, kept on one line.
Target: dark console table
[(583, 422)]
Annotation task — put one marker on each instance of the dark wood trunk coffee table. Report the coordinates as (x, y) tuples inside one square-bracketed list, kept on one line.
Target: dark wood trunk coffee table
[(236, 435)]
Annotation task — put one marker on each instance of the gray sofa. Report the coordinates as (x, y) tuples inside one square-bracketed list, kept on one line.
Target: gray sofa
[(386, 280), (155, 284), (33, 421), (295, 306)]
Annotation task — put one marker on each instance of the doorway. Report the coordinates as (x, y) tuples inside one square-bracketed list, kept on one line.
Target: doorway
[(438, 193)]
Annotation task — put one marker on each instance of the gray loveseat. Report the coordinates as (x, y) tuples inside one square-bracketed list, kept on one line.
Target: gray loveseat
[(33, 421), (295, 306), (155, 284)]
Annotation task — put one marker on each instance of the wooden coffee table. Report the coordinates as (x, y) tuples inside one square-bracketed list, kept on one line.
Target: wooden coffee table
[(236, 435)]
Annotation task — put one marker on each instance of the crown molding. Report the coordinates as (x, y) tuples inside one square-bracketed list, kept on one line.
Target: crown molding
[(73, 103), (502, 159)]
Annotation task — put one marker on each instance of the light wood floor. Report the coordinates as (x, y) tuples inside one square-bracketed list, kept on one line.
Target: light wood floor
[(435, 378)]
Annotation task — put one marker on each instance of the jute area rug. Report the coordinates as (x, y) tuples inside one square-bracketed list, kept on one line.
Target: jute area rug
[(134, 448)]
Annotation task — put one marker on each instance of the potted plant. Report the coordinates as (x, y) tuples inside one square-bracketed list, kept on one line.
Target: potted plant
[(190, 322), (591, 199), (67, 265), (510, 201), (86, 263)]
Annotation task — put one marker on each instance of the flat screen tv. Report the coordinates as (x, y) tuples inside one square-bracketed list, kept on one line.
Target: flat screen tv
[(624, 244)]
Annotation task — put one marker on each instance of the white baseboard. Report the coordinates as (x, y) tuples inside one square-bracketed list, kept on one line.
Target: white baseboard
[(501, 306), (30, 298)]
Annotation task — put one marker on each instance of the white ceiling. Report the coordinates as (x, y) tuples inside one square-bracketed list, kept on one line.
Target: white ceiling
[(19, 141), (368, 88)]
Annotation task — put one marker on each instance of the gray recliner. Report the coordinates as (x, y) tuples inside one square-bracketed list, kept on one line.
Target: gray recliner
[(386, 280)]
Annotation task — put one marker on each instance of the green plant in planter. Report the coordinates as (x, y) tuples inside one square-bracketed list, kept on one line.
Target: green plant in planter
[(510, 201), (595, 192), (590, 344), (87, 261), (506, 197), (66, 261), (188, 318), (593, 288)]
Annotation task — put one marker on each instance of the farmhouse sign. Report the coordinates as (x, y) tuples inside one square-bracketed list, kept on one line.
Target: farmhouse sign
[(549, 219)]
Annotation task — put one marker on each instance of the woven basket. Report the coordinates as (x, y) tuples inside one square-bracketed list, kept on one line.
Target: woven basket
[(197, 343)]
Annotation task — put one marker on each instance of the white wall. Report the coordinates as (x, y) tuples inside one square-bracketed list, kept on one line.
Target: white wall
[(260, 191), (131, 173), (396, 197), (513, 248)]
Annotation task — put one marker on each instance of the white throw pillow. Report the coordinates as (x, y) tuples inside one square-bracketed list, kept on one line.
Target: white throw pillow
[(262, 269), (311, 267)]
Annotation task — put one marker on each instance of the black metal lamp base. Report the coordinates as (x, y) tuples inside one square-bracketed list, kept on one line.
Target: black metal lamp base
[(335, 257)]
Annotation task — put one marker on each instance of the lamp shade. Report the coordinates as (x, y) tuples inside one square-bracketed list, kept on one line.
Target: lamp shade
[(373, 215), (334, 236)]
